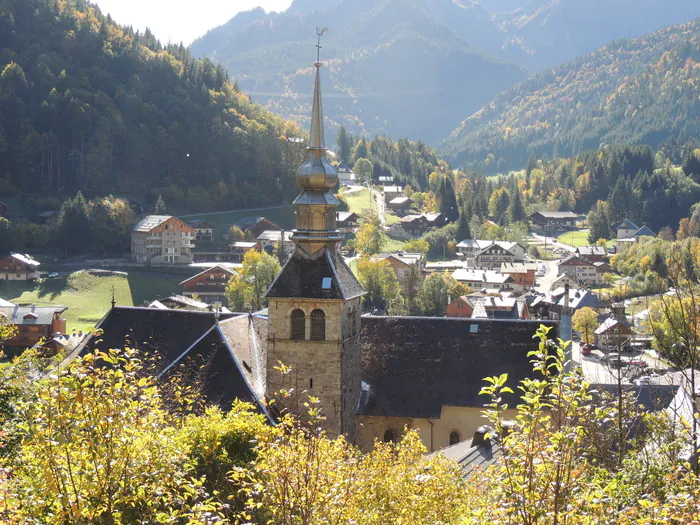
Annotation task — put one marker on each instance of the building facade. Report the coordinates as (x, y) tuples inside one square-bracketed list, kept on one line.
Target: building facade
[(209, 286), (19, 267), (162, 239)]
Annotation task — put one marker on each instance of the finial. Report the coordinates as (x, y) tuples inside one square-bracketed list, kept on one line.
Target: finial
[(114, 302), (319, 34)]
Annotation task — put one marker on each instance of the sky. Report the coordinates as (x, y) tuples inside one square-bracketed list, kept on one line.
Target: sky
[(181, 20)]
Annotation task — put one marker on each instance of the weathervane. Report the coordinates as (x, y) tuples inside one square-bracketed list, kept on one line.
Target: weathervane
[(319, 33)]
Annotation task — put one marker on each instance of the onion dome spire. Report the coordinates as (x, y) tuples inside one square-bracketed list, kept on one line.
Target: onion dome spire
[(317, 173)]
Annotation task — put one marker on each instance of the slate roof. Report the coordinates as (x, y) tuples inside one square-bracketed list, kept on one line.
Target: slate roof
[(415, 365), (557, 214), (47, 214), (303, 276), (574, 260), (627, 225), (150, 221), (345, 215), (404, 257), (185, 342), (35, 315), (246, 222), (591, 250), (470, 457), (644, 231), (400, 200)]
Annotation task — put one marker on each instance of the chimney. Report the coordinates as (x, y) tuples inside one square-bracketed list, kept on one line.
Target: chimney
[(480, 439)]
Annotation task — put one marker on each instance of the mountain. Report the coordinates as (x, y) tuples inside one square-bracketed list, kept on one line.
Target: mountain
[(87, 104), (546, 33), (401, 67), (417, 67), (642, 90)]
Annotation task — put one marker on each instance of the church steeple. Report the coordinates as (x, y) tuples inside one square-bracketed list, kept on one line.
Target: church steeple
[(316, 205)]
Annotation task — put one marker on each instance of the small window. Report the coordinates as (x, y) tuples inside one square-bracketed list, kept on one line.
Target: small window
[(473, 328), (318, 325), (298, 324), (389, 436), (454, 437), (311, 382)]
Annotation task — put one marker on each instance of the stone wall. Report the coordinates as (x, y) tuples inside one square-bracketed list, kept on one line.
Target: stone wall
[(328, 369)]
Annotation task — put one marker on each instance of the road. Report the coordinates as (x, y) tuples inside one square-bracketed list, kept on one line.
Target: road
[(543, 283), (379, 199)]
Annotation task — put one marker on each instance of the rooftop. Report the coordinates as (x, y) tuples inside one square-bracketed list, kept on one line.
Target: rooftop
[(274, 235), (24, 258), (150, 221), (31, 315)]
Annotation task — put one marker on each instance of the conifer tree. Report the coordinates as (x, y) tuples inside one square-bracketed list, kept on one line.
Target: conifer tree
[(160, 206)]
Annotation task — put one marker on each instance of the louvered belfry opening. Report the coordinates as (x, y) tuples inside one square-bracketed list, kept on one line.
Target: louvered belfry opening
[(298, 324), (318, 325)]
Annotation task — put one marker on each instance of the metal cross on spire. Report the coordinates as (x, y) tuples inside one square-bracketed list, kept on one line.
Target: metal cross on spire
[(319, 33)]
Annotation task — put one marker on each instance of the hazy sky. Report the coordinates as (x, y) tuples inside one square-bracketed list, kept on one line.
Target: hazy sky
[(181, 20)]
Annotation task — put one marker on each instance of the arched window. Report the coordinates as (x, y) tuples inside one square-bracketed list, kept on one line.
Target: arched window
[(318, 325), (454, 437), (298, 324), (389, 436)]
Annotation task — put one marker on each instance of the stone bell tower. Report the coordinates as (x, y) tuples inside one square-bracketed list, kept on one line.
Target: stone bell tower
[(314, 304)]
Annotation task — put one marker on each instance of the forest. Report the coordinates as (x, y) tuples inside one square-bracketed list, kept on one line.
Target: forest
[(639, 91), (90, 105)]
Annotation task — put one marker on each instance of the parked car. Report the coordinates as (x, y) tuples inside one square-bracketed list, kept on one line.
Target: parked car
[(52, 275)]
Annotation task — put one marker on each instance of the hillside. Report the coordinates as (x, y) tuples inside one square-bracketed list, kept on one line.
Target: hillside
[(88, 104), (643, 90), (547, 33), (385, 60), (417, 67)]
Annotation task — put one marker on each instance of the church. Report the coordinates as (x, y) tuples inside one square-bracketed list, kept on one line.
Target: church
[(374, 376)]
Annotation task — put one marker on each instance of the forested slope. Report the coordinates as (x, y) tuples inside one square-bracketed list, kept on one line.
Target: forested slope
[(87, 104), (642, 90)]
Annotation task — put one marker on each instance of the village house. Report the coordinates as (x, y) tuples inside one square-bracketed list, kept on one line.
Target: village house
[(254, 226), (19, 267), (551, 305), (580, 270), (347, 221), (33, 323), (204, 231), (460, 307), (644, 231), (269, 239), (493, 257), (183, 302), (523, 274), (443, 266), (400, 263), (550, 221), (613, 333), (469, 248), (213, 252), (478, 279), (414, 224), (436, 220), (561, 281), (400, 205), (592, 254), (345, 174), (626, 229), (48, 218), (162, 239), (240, 248), (209, 286), (497, 307), (373, 376), (391, 192)]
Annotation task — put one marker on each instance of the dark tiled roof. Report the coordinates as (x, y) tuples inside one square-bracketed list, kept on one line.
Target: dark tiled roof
[(303, 276), (415, 365), (627, 225), (182, 342), (470, 457), (644, 231)]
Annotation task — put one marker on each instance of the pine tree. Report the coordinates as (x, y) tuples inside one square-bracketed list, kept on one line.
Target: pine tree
[(463, 230), (160, 206), (516, 212), (344, 144)]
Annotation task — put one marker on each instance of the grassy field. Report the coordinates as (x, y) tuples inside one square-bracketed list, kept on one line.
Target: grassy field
[(358, 202), (88, 296), (575, 238), (222, 221)]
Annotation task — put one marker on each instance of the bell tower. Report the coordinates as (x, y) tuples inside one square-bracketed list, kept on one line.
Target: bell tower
[(314, 304)]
